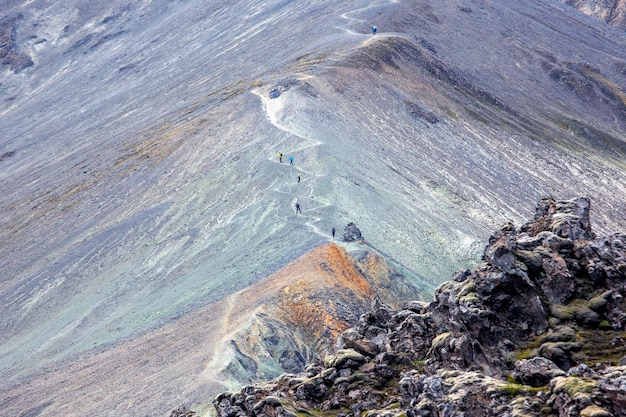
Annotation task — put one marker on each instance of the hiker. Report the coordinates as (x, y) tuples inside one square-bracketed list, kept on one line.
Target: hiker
[(280, 157), (291, 160), (374, 30), (298, 208), (299, 176), (333, 232)]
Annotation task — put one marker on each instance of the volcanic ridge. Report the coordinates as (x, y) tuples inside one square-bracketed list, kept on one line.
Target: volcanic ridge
[(537, 329)]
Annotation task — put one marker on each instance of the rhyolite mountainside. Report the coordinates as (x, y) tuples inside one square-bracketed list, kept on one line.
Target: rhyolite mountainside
[(141, 190), (142, 139), (259, 332), (536, 329), (311, 302)]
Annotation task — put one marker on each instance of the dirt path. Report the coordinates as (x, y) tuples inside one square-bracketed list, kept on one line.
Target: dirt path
[(273, 109)]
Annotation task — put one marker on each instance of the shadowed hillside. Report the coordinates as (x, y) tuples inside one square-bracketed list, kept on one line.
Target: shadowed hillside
[(138, 152)]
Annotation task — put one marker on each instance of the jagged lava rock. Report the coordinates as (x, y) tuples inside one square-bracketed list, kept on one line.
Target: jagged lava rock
[(501, 322)]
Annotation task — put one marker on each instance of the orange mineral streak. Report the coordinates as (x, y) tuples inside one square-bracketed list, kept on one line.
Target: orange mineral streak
[(326, 278), (306, 291), (315, 319), (345, 272)]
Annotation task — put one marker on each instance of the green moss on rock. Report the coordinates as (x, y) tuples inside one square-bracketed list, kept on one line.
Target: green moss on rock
[(515, 390), (573, 385), (594, 411), (345, 358), (559, 334), (597, 346), (576, 311), (561, 312), (597, 303), (532, 259), (469, 300)]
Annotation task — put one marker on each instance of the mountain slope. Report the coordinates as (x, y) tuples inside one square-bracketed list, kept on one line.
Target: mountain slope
[(276, 325), (138, 167)]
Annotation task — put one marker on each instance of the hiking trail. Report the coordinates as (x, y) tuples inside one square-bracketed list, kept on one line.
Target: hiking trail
[(273, 108)]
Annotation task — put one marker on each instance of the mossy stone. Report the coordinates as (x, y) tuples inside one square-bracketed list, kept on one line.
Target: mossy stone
[(573, 385), (586, 316), (467, 288), (532, 259), (553, 322), (469, 300), (561, 312), (514, 390), (440, 340), (594, 411), (597, 303), (560, 334), (583, 399), (575, 312), (348, 358)]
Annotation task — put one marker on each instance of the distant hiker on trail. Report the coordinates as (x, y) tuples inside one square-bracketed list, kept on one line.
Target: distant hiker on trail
[(374, 30), (299, 176), (298, 208), (291, 160), (333, 232), (280, 157)]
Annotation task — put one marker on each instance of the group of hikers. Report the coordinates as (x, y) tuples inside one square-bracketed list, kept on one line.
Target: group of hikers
[(280, 159), (297, 205)]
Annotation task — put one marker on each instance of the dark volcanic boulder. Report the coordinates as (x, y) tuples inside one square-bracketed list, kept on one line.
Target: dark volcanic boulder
[(352, 233), (345, 358), (568, 219), (354, 340), (274, 93), (536, 372)]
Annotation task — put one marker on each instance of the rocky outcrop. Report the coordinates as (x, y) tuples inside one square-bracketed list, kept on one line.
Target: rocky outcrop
[(537, 329), (182, 412), (10, 53), (310, 303), (612, 12)]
